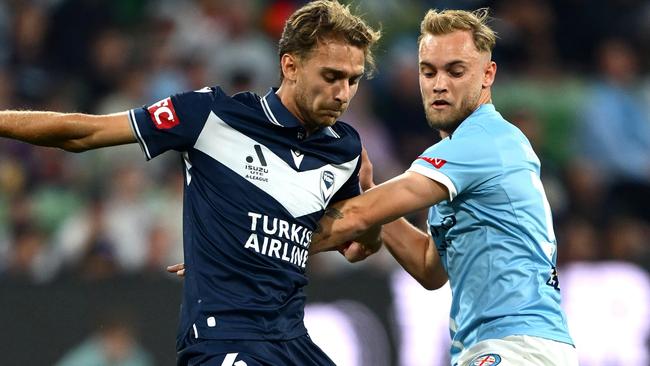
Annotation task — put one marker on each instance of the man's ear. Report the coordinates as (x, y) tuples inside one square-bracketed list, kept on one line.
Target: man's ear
[(289, 64), (490, 74)]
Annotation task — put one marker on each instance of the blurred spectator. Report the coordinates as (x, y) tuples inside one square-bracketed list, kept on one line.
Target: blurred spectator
[(525, 45), (628, 239), (530, 125), (614, 132), (114, 343), (397, 102), (242, 61), (31, 78), (27, 253), (579, 241), (82, 247)]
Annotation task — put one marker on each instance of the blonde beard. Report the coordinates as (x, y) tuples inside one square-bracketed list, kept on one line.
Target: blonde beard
[(455, 118)]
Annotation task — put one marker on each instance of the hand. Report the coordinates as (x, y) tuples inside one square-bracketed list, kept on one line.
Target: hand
[(355, 251), (178, 268), (365, 172)]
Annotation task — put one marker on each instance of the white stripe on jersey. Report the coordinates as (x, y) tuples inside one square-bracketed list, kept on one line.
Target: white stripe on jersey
[(138, 136), (298, 192), (437, 176), (268, 112), (188, 166), (332, 133)]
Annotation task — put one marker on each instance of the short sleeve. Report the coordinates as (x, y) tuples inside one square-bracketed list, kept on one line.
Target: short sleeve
[(461, 162), (351, 188), (173, 123)]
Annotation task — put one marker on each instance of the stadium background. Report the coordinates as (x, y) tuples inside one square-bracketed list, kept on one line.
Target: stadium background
[(84, 238)]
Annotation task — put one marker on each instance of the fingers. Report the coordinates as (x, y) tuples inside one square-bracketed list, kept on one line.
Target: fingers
[(356, 252), (177, 268)]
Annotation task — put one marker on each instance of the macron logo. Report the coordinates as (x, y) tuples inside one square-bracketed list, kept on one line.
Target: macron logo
[(163, 114), (437, 163), (297, 157)]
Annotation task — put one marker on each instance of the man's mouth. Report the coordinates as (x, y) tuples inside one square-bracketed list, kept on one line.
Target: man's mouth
[(440, 103), (333, 112)]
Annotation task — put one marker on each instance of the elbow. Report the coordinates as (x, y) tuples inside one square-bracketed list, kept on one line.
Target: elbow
[(431, 283), (427, 284)]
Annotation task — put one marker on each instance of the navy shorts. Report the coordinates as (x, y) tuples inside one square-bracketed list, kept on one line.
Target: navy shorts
[(299, 351)]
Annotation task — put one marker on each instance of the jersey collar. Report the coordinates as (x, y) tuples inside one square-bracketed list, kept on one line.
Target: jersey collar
[(482, 109), (279, 115)]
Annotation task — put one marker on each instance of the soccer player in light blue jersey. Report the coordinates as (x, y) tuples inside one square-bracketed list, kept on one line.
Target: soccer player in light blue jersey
[(490, 228)]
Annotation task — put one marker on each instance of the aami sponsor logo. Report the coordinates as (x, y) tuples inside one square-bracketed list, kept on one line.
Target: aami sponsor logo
[(163, 114)]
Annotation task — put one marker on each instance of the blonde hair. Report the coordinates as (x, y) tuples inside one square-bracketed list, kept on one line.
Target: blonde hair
[(323, 19), (447, 21)]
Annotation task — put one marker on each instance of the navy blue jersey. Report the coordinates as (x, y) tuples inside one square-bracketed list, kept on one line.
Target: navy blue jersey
[(255, 187)]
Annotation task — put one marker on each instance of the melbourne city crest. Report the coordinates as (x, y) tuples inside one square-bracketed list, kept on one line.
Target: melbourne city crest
[(326, 185)]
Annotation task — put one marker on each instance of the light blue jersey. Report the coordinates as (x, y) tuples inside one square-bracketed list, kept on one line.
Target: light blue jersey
[(494, 234)]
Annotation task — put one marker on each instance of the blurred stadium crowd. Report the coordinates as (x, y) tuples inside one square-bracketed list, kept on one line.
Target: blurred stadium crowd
[(574, 75)]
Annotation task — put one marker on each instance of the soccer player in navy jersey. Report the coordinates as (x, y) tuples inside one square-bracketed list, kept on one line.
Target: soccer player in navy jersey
[(490, 227), (259, 173)]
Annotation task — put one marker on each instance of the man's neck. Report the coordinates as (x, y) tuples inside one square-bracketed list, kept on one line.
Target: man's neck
[(288, 99)]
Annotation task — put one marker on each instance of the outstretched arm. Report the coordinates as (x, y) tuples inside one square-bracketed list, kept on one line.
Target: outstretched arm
[(368, 242), (412, 248), (74, 132), (389, 201)]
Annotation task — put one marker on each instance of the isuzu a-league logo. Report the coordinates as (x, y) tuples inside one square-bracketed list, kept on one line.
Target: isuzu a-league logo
[(326, 184)]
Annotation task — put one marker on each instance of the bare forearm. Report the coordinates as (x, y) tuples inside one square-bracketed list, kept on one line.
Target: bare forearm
[(333, 230), (415, 252), (69, 131), (348, 219)]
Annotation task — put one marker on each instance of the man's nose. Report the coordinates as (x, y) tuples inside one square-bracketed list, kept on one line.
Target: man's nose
[(440, 83), (343, 92)]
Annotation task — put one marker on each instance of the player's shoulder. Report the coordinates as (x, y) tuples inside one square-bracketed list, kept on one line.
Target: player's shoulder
[(218, 95), (247, 98), (336, 144), (347, 137)]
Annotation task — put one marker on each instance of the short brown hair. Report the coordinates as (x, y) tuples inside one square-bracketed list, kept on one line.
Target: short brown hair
[(322, 19), (448, 21)]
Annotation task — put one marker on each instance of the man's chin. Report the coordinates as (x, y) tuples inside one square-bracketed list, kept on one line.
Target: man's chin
[(327, 121), (320, 123), (442, 124)]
